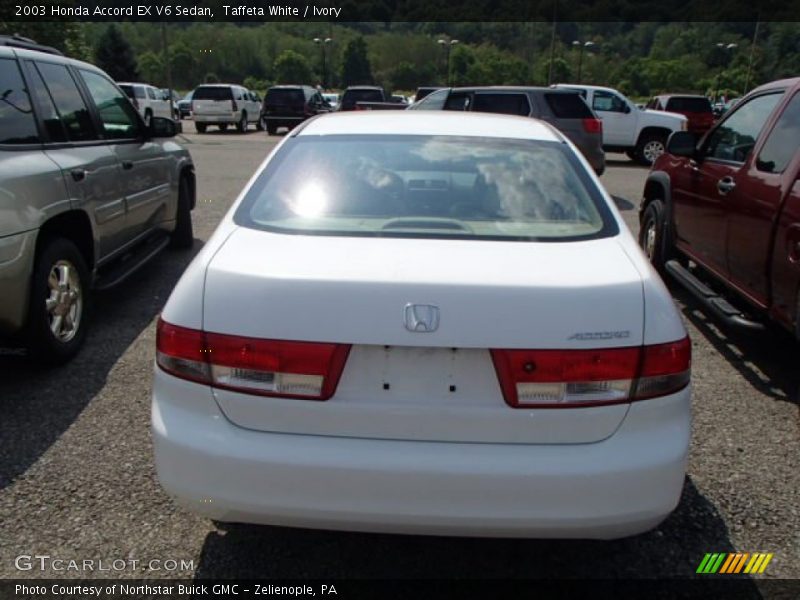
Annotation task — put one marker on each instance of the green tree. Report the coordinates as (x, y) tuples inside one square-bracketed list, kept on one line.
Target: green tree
[(115, 56), (292, 67), (356, 67), (68, 37), (151, 68)]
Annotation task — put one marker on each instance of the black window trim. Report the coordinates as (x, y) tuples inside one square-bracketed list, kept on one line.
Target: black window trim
[(703, 145)]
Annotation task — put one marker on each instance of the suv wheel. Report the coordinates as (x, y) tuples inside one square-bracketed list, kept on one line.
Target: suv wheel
[(201, 127), (650, 147), (272, 129), (652, 235), (223, 126), (241, 126), (58, 304), (261, 124), (182, 236)]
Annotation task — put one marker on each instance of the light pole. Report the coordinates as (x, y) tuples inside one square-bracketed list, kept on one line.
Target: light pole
[(323, 43), (722, 46), (581, 46), (447, 46)]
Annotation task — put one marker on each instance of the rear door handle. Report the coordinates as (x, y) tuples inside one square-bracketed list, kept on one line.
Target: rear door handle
[(725, 185), (127, 165), (78, 174)]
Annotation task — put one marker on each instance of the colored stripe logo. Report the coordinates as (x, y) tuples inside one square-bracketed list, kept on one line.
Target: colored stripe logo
[(736, 562)]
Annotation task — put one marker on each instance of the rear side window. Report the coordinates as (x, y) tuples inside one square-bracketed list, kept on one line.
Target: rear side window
[(151, 93), (697, 105), (291, 97), (783, 140), (17, 124), (213, 93), (139, 91), (568, 106), (47, 108), (128, 89), (426, 186), (69, 103), (506, 104), (458, 101)]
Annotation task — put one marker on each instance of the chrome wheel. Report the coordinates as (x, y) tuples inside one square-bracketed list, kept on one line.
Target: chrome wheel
[(65, 301), (650, 240), (652, 150)]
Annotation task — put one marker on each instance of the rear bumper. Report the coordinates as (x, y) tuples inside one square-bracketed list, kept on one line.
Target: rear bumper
[(621, 486), (229, 118)]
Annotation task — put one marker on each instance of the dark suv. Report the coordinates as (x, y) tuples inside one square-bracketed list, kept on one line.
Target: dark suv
[(361, 93), (289, 105), (88, 194), (565, 109)]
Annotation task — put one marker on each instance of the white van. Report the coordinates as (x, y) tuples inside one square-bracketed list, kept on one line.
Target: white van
[(224, 104)]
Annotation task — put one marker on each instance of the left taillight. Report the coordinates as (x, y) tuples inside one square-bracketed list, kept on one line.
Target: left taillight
[(579, 378), (288, 369)]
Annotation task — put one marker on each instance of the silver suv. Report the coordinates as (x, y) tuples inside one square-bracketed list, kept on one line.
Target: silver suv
[(88, 193)]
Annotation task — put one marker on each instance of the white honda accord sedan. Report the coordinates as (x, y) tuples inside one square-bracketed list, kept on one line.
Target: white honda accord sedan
[(424, 323)]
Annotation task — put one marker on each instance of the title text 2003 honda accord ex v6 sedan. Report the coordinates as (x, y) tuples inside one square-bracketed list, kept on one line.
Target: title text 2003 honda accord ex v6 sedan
[(424, 323)]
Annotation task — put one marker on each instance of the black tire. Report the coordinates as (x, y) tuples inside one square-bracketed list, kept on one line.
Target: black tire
[(650, 147), (182, 237), (49, 342), (260, 124), (653, 235), (223, 127), (272, 129), (201, 127), (241, 126)]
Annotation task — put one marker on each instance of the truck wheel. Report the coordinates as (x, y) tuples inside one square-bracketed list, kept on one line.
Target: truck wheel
[(201, 127), (650, 147), (652, 235), (241, 126), (58, 309), (260, 124), (223, 126), (272, 129), (182, 236)]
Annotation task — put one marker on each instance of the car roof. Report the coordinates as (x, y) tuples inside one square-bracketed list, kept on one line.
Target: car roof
[(364, 87), (580, 86), (431, 123), (512, 88), (779, 84), (668, 96), (10, 51)]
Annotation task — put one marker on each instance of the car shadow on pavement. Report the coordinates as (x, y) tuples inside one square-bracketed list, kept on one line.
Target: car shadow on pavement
[(39, 403), (767, 360), (674, 549)]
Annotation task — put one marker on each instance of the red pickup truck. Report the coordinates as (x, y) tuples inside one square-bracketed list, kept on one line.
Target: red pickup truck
[(721, 214)]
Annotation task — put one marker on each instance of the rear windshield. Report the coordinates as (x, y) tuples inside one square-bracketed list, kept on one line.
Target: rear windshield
[(568, 106), (128, 89), (426, 186), (689, 105), (285, 96), (213, 93), (352, 96)]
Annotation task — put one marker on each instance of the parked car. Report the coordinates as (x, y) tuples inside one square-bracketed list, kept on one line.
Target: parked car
[(565, 110), (88, 193), (730, 204), (332, 98), (356, 94), (185, 106), (148, 100), (697, 109), (224, 104), (442, 322), (290, 105), (641, 134)]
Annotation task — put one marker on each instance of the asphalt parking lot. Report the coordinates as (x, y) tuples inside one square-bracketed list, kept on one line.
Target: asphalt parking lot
[(77, 479)]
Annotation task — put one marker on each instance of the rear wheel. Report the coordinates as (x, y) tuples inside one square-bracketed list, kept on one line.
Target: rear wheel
[(241, 126), (653, 236), (183, 235), (223, 126), (58, 308), (260, 124), (201, 127), (272, 129), (650, 147)]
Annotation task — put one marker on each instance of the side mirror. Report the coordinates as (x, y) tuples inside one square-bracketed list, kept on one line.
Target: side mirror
[(682, 143), (162, 128)]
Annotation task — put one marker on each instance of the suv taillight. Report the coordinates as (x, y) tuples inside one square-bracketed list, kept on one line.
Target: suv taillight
[(592, 125), (577, 378), (307, 370)]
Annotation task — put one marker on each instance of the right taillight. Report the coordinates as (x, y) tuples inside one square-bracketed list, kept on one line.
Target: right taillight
[(287, 369), (580, 378), (592, 125)]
